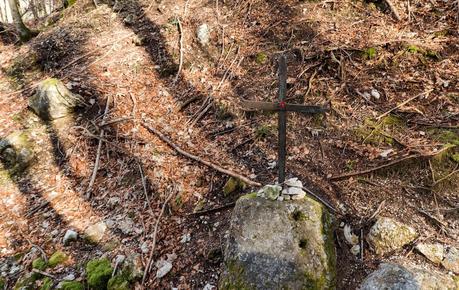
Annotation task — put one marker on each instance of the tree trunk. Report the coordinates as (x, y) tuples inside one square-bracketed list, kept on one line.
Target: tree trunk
[(24, 33)]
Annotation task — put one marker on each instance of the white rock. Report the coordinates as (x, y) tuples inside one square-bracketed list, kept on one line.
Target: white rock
[(185, 238), (69, 277), (293, 182), (299, 196), (349, 236), (144, 247), (95, 233), (69, 237), (119, 259), (209, 287), (451, 261), (164, 267), (355, 250), (295, 191), (203, 34), (375, 94)]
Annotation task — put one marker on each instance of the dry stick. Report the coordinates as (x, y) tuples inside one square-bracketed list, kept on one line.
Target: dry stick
[(99, 147), (181, 50), (117, 120), (155, 232), (403, 103), (393, 9), (144, 184), (202, 113), (199, 159), (366, 171), (447, 176), (187, 102)]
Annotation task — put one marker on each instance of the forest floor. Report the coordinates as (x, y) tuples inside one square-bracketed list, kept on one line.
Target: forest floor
[(353, 56)]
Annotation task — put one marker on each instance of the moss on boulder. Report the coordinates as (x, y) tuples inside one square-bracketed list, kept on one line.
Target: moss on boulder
[(98, 273)]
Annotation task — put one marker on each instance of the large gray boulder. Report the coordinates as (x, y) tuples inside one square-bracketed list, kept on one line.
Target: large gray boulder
[(53, 100), (391, 276), (279, 245)]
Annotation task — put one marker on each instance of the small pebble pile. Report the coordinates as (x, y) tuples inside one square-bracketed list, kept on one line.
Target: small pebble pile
[(292, 190)]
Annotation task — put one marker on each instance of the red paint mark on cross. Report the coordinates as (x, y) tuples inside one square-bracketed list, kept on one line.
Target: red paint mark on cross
[(282, 104)]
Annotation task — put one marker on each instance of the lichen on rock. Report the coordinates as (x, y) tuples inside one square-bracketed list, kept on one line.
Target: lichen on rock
[(16, 152), (71, 285), (269, 247), (388, 235)]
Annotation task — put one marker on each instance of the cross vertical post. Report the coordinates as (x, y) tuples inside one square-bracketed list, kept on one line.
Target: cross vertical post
[(282, 118)]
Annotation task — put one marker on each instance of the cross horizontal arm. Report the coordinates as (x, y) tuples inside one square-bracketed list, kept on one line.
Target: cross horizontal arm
[(269, 106)]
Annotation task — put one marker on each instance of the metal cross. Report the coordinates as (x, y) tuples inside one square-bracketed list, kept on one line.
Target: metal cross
[(282, 108)]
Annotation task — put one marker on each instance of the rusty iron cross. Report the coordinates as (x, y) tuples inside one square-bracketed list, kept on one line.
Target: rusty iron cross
[(282, 108)]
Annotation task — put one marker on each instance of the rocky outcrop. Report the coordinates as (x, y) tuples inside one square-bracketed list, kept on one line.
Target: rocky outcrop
[(407, 277), (279, 245), (388, 235), (53, 100)]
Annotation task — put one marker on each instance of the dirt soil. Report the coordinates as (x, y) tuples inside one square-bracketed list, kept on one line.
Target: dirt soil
[(354, 57)]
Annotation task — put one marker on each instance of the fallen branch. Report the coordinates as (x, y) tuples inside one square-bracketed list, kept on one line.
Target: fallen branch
[(402, 104), (366, 171), (44, 273), (99, 148), (181, 50), (155, 232), (199, 159), (215, 209), (393, 9), (370, 170)]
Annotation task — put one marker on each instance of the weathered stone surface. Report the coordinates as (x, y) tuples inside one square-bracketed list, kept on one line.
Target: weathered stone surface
[(203, 34), (388, 235), (53, 100), (69, 237), (95, 233), (433, 252), (16, 151), (279, 245), (451, 261), (407, 277)]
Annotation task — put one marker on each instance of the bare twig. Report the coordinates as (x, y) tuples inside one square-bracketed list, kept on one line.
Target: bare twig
[(144, 185), (99, 147), (378, 210), (212, 210), (446, 176), (393, 9), (117, 120), (155, 232), (44, 273), (181, 50), (403, 103), (199, 159), (366, 171), (187, 102)]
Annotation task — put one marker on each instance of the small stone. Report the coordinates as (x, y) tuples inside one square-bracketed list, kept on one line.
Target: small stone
[(375, 94), (209, 287), (388, 235), (144, 247), (126, 225), (164, 267), (355, 250), (119, 259), (203, 34), (299, 196), (451, 260), (293, 182), (185, 238), (433, 252), (69, 237), (95, 233), (69, 277)]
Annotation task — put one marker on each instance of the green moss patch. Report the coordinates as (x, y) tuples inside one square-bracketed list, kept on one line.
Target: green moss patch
[(57, 258), (39, 264), (71, 285), (118, 282), (233, 184), (261, 58), (98, 273), (47, 284)]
